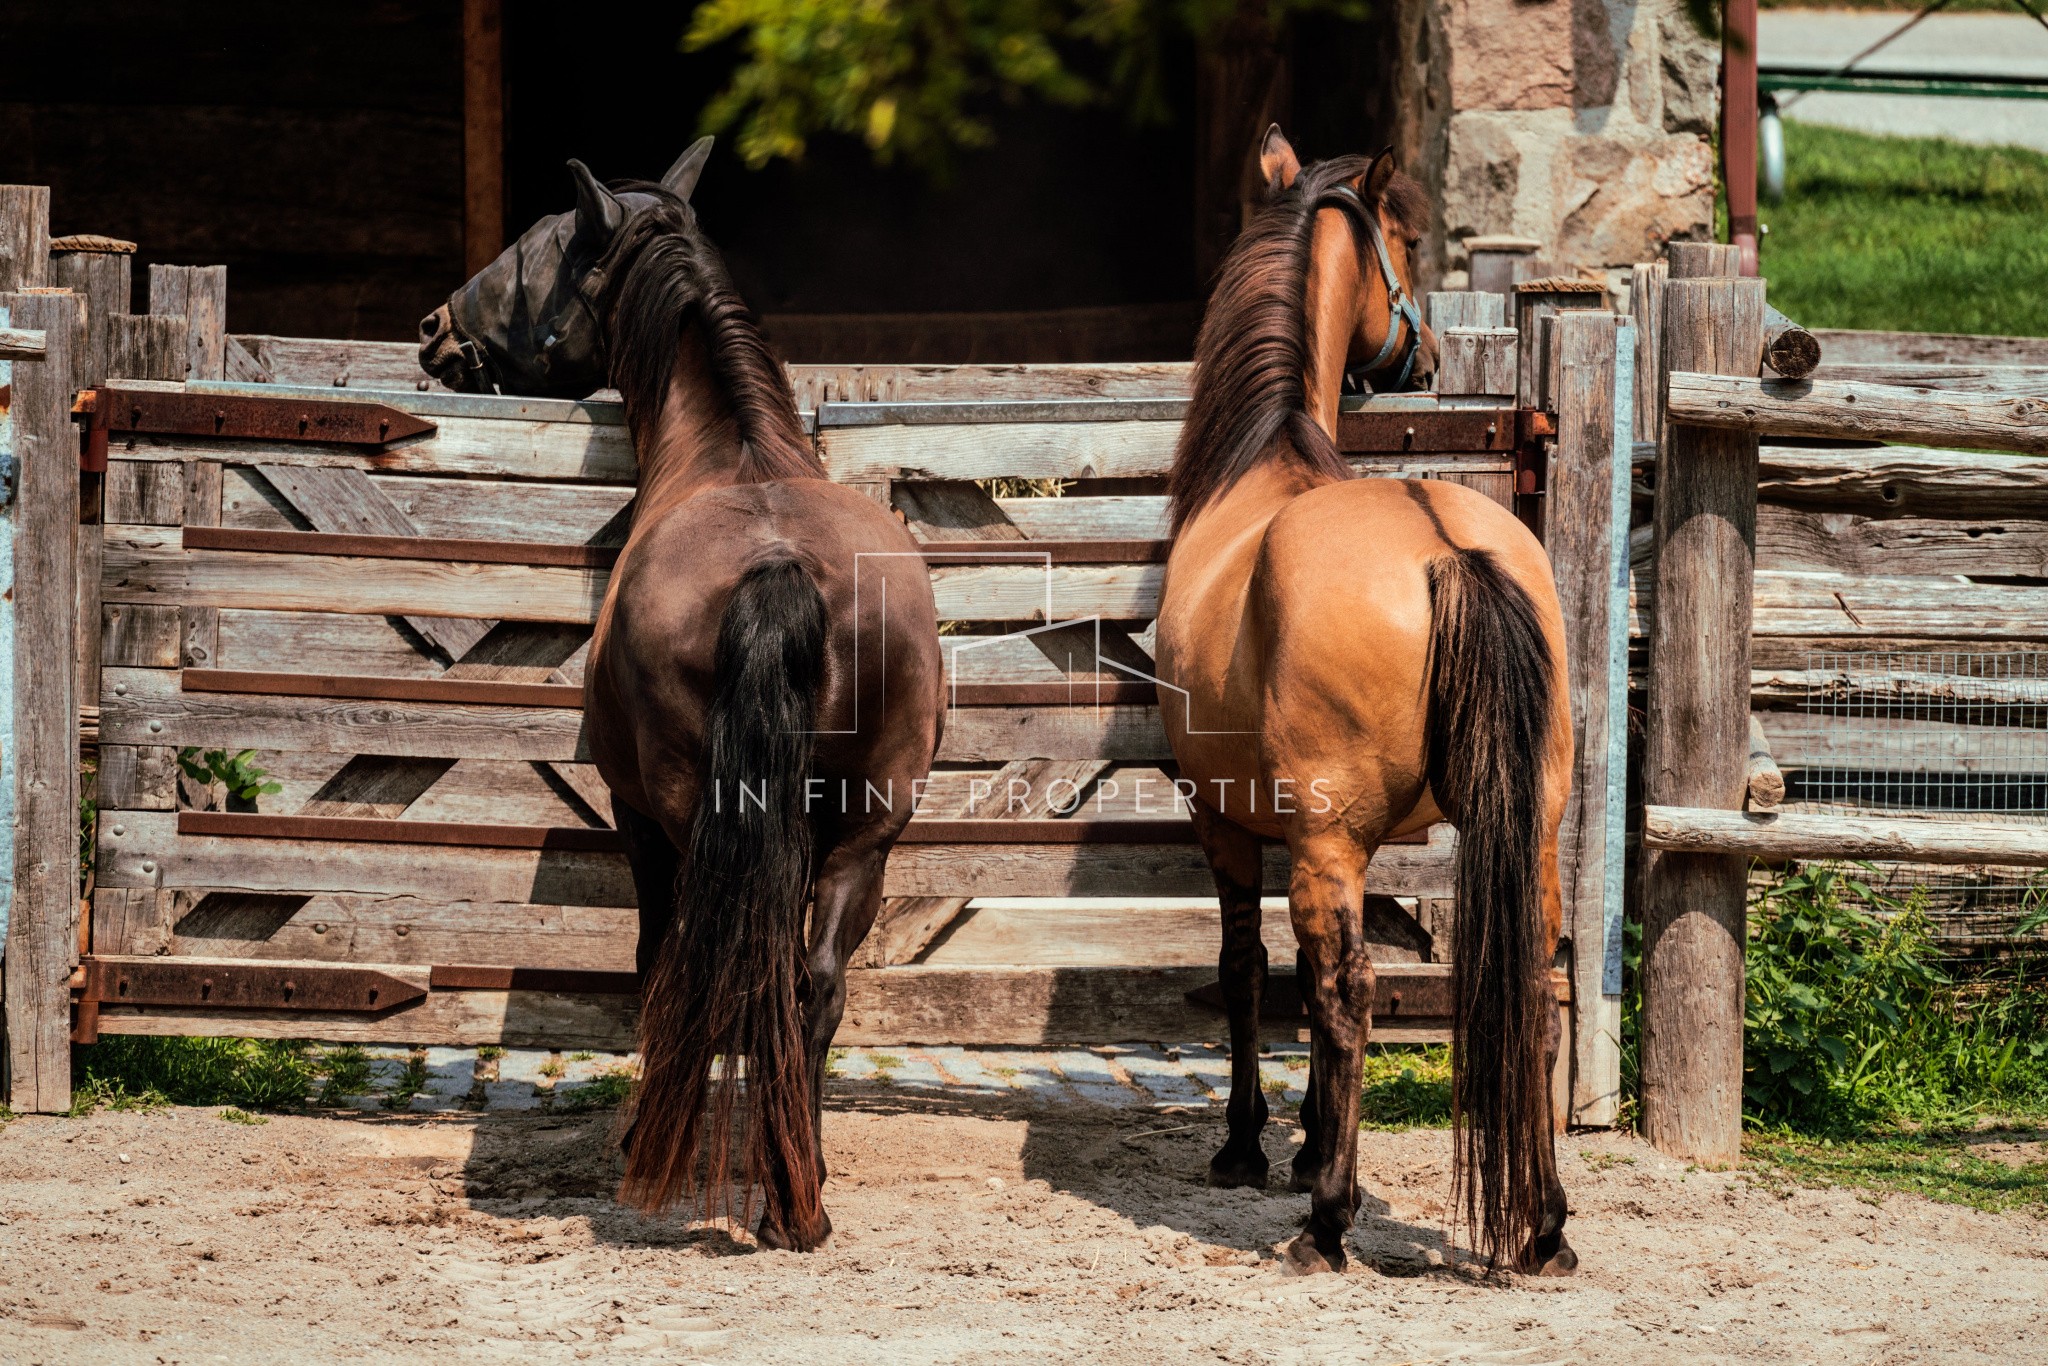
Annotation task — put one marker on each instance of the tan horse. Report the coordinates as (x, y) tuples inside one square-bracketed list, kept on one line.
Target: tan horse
[(1361, 658)]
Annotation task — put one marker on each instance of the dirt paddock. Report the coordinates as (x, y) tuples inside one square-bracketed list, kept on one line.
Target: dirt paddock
[(967, 1230)]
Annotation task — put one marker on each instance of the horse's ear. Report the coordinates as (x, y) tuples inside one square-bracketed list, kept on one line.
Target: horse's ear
[(681, 178), (1277, 161), (598, 211), (1377, 177)]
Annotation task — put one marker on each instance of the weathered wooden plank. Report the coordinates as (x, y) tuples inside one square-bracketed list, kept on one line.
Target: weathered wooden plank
[(1115, 517), (17, 343), (999, 734), (146, 346), (138, 777), (42, 731), (468, 509), (951, 510), (1793, 835), (1646, 307), (1445, 309), (816, 385), (1930, 681), (345, 502), (24, 238), (1588, 546), (1843, 543), (321, 642), (1872, 412), (150, 853), (1474, 360), (906, 925), (137, 635), (1800, 739), (147, 706), (199, 295), (338, 364), (101, 278), (149, 564), (145, 492), (1928, 348), (2009, 381), (1694, 904), (1024, 450), (501, 448), (1878, 611), (342, 928), (1904, 481)]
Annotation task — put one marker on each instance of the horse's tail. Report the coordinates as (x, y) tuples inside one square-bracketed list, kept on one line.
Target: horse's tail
[(1491, 692), (729, 985)]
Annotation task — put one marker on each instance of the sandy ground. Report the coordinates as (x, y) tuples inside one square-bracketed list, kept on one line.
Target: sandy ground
[(985, 1230)]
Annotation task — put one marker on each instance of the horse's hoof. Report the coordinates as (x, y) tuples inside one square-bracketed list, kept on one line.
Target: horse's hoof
[(1228, 1172), (781, 1239), (1303, 1257), (1559, 1260)]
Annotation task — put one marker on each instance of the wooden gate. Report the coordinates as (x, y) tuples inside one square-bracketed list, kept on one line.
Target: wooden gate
[(386, 592)]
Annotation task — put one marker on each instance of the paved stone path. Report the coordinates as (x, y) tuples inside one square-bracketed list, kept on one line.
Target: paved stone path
[(2004, 44), (469, 1079)]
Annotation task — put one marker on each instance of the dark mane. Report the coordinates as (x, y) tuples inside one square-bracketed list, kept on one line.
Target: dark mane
[(661, 273), (1252, 351)]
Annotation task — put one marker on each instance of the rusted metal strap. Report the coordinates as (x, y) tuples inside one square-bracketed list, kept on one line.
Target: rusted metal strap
[(374, 688), (244, 986), (1419, 431), (112, 408)]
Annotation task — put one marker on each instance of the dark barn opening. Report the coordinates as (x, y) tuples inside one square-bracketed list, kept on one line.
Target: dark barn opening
[(349, 163)]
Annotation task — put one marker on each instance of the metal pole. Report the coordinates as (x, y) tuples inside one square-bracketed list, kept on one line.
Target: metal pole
[(1738, 126)]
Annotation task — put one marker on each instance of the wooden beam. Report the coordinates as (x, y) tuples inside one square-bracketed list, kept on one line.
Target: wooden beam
[(1799, 835), (1790, 351), (1694, 904), (1928, 348), (1904, 481), (1871, 412), (483, 132), (199, 295), (1588, 541), (24, 237), (41, 541)]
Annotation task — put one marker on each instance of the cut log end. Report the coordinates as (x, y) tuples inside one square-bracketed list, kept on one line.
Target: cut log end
[(1766, 782), (1790, 351)]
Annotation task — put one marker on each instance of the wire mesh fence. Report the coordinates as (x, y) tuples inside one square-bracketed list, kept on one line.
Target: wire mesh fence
[(1940, 736)]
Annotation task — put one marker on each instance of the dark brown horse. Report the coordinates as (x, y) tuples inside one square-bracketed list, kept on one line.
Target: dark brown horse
[(1363, 657), (767, 643)]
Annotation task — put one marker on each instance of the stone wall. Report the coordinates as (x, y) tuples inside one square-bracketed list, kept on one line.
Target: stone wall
[(1584, 124)]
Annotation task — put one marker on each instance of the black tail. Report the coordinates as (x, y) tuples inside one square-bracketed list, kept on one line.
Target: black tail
[(729, 986), (1491, 691)]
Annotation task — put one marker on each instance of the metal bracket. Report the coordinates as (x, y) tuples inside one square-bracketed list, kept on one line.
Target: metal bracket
[(114, 408), (245, 986)]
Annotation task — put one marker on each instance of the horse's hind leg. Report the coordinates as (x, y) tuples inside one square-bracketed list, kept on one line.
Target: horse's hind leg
[(1308, 1159), (1233, 855), (848, 896), (1326, 900), (1549, 1254), (656, 863)]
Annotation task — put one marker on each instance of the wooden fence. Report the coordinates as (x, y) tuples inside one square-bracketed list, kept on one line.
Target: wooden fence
[(301, 548)]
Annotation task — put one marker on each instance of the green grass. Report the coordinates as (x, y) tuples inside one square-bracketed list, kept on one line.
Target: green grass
[(1937, 1165), (235, 1116), (1406, 1087), (1909, 234), (602, 1092), (135, 1072), (347, 1070), (1902, 8)]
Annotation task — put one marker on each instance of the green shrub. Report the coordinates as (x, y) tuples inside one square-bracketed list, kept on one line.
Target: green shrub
[(237, 772)]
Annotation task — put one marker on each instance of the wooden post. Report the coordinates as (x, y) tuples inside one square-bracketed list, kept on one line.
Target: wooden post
[(1697, 747), (1588, 546), (24, 237), (1703, 260), (42, 714), (1646, 307), (199, 295), (483, 132), (1499, 263), (96, 270), (1445, 309), (1536, 300)]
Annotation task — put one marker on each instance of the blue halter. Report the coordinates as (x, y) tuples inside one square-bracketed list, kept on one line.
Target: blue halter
[(1400, 308)]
